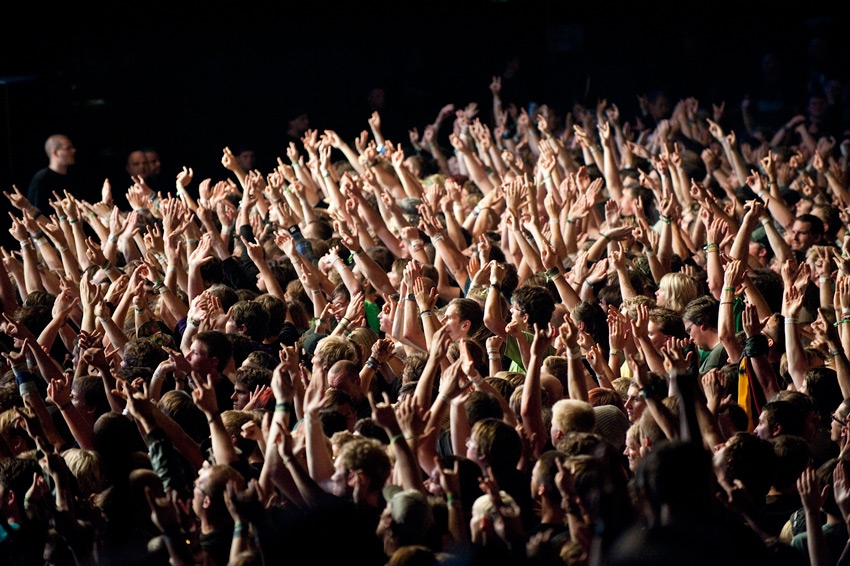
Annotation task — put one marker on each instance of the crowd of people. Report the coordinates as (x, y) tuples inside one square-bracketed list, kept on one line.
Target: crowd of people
[(520, 338)]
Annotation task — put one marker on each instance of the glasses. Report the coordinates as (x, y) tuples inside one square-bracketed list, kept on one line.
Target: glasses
[(839, 421)]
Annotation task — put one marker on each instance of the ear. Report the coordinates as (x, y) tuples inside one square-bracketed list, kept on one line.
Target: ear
[(207, 502)]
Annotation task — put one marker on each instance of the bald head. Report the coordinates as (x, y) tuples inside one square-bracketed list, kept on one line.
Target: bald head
[(60, 151), (345, 376)]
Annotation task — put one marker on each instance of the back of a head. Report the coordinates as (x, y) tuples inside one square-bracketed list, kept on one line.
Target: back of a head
[(498, 442), (217, 345), (482, 405), (570, 415), (677, 475), (412, 517)]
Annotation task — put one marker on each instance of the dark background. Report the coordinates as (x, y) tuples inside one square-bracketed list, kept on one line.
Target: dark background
[(190, 79)]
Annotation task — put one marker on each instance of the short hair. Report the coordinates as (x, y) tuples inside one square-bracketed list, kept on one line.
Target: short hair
[(469, 310), (143, 353), (217, 344), (251, 377), (547, 468), (226, 295), (822, 386), (332, 349), (599, 396), (369, 456), (16, 475), (669, 322), (482, 405), (89, 389), (498, 442), (276, 310), (595, 321), (571, 415), (253, 316), (261, 359), (815, 223), (786, 415), (535, 302), (752, 460), (557, 366), (703, 311), (792, 457), (681, 289), (213, 272), (178, 406), (241, 346), (87, 467)]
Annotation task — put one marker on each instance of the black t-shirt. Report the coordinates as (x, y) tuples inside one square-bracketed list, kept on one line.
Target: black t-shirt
[(43, 184)]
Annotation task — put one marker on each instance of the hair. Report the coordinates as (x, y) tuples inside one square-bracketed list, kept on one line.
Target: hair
[(86, 467), (669, 322), (276, 311), (89, 389), (792, 457), (16, 475), (241, 346), (260, 359), (681, 289), (571, 415), (752, 460), (482, 405), (786, 415), (178, 405), (547, 469), (822, 386), (414, 365), (253, 316), (332, 349), (703, 311), (595, 322), (251, 377), (815, 224), (535, 302), (470, 310), (217, 345), (143, 353), (599, 396), (498, 442), (368, 456)]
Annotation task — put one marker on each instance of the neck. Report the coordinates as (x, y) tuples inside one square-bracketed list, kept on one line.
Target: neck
[(58, 168)]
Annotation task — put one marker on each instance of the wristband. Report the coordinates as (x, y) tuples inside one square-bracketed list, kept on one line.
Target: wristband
[(425, 313), (494, 357), (281, 408), (65, 406), (214, 417), (27, 387), (73, 221), (193, 322), (411, 297), (793, 320), (604, 235), (396, 437), (574, 353), (437, 238), (615, 352), (729, 289)]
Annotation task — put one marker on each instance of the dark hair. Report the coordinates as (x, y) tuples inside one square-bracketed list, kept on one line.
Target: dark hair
[(822, 386), (276, 310), (218, 346), (535, 302), (815, 223), (240, 347), (792, 457), (224, 294), (702, 311), (212, 272), (482, 405), (786, 415), (143, 353), (253, 316)]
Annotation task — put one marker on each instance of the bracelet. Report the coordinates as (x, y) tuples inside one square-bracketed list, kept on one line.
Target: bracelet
[(764, 220), (63, 218), (25, 244), (437, 238), (281, 408), (568, 220), (727, 302), (372, 362), (793, 320), (65, 405), (193, 322), (494, 357), (574, 353), (666, 219), (425, 313), (36, 214), (445, 398), (73, 221), (615, 352), (729, 289), (396, 437), (62, 250), (824, 279), (476, 379), (215, 416), (604, 235)]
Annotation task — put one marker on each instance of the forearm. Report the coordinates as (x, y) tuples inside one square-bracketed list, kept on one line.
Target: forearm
[(798, 365)]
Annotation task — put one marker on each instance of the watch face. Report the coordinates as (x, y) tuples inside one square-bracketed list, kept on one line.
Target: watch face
[(293, 229)]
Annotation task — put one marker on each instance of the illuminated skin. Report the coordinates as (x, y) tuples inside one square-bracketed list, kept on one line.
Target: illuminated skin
[(632, 451), (656, 337), (453, 324), (137, 164), (801, 236), (199, 358), (240, 397), (661, 297), (634, 404), (763, 429)]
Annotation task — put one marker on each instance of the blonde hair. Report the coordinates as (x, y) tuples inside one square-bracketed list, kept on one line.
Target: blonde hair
[(681, 289)]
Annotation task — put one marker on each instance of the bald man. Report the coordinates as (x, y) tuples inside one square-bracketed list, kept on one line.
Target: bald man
[(55, 177)]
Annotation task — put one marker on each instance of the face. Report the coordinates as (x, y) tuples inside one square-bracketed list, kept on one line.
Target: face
[(661, 297), (838, 426), (763, 428), (241, 396), (153, 162), (801, 236), (201, 490), (66, 152), (634, 404), (246, 160), (384, 319), (632, 451), (338, 305), (340, 480), (137, 164), (454, 326), (198, 357), (656, 337)]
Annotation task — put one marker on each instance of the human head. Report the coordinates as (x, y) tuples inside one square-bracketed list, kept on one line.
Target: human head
[(533, 305), (329, 351), (137, 164), (15, 479), (362, 463), (807, 231), (571, 415), (779, 418), (664, 323), (463, 318), (495, 443), (543, 484), (208, 500), (675, 290), (210, 352), (345, 376), (700, 318), (247, 380), (60, 151), (154, 163), (406, 520), (839, 425), (249, 318)]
